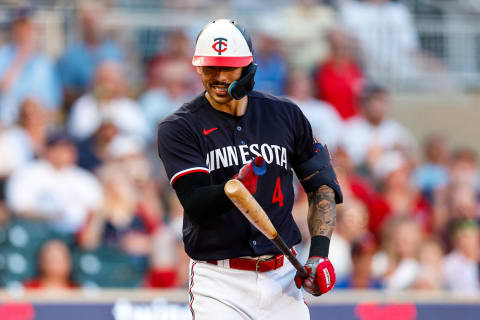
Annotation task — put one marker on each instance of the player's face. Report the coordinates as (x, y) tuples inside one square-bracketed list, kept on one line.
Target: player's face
[(216, 81)]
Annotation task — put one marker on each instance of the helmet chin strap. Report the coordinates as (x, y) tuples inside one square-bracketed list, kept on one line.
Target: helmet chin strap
[(240, 88)]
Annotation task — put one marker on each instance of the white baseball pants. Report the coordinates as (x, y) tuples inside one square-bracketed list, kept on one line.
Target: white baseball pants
[(219, 293)]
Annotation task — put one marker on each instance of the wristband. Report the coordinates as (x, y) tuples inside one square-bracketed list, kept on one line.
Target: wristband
[(319, 246)]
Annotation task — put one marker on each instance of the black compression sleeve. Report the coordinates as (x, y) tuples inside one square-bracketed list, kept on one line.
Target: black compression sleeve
[(201, 200)]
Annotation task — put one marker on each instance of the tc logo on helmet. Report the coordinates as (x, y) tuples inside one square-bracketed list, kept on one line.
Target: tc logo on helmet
[(220, 45)]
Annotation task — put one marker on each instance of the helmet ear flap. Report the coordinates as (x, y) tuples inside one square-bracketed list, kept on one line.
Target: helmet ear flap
[(240, 88)]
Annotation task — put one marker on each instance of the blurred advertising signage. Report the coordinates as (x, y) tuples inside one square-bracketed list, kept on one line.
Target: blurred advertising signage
[(160, 309)]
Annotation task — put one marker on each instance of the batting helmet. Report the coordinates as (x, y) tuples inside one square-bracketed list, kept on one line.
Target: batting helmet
[(224, 43)]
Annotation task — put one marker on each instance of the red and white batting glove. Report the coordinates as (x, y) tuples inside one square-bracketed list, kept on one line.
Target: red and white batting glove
[(249, 173), (321, 276)]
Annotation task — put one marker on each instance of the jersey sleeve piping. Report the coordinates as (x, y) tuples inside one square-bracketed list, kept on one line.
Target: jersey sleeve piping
[(187, 171)]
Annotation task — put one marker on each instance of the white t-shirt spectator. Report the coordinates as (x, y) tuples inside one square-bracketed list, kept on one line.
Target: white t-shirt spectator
[(386, 35), (64, 197), (359, 136), (15, 149), (340, 256), (88, 113), (461, 273), (325, 121), (404, 275)]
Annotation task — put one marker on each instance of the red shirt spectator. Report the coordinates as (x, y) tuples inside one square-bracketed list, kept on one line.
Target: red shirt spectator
[(339, 79)]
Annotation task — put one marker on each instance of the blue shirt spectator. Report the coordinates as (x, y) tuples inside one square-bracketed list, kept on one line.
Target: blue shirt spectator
[(78, 64), (80, 60), (271, 74), (24, 71), (430, 177), (433, 173), (272, 69)]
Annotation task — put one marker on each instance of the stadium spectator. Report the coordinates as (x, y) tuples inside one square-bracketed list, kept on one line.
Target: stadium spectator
[(174, 217), (433, 173), (368, 136), (169, 87), (430, 275), (460, 268), (460, 199), (362, 253), (93, 151), (339, 79), (166, 270), (55, 268), (326, 124), (272, 69), (386, 35), (303, 32), (15, 151), (177, 50), (117, 222), (464, 169), (130, 213), (107, 98), (78, 64), (353, 185), (401, 241), (397, 195), (24, 70), (127, 155), (54, 189), (352, 222), (35, 122)]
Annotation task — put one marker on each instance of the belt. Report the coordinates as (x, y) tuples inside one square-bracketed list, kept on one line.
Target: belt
[(252, 264)]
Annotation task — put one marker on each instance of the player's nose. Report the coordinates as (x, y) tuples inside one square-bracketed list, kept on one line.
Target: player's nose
[(221, 75)]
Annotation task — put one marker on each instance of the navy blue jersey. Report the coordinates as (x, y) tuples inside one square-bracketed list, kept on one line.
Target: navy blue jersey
[(199, 138)]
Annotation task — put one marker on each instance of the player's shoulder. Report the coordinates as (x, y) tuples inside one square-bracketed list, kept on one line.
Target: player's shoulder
[(279, 103)]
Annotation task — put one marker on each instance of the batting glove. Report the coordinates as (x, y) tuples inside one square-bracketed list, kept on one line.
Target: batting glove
[(249, 173), (321, 276)]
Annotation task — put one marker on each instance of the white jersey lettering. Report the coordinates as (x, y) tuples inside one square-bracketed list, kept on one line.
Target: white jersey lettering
[(221, 156), (232, 156), (267, 153), (239, 155), (244, 153)]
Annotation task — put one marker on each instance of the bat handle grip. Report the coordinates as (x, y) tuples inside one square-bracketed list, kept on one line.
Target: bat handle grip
[(290, 256)]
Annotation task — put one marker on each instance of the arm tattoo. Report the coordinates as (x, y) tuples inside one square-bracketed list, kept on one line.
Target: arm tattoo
[(321, 212)]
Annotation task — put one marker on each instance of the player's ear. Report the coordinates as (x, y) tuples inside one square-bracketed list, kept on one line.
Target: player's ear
[(199, 70)]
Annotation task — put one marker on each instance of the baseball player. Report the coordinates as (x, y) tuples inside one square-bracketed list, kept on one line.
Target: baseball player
[(235, 271)]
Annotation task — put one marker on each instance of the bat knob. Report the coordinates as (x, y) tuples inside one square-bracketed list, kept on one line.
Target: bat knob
[(259, 166)]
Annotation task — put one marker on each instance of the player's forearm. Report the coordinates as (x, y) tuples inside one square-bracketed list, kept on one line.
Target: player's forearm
[(201, 201), (321, 212), (321, 220)]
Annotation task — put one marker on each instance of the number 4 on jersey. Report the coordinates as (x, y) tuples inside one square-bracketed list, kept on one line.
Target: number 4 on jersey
[(277, 193)]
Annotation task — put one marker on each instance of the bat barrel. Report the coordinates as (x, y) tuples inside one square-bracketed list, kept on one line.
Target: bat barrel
[(250, 208)]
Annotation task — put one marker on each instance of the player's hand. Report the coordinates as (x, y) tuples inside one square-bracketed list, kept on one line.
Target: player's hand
[(249, 173), (321, 276)]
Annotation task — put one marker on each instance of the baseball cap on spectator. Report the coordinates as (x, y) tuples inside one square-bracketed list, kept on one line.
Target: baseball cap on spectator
[(124, 145), (370, 89), (58, 137)]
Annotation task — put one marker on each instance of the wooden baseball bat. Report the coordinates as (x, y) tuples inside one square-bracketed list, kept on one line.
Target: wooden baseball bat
[(252, 210)]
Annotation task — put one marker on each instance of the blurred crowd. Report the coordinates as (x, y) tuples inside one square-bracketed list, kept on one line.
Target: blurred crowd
[(84, 201)]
